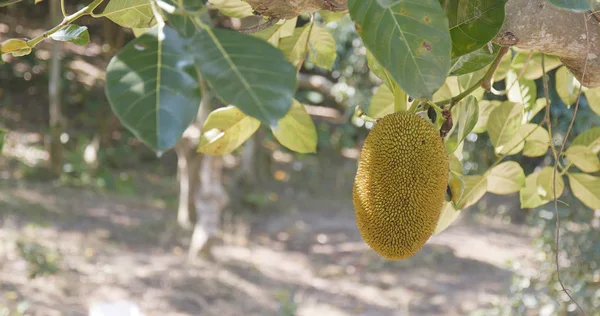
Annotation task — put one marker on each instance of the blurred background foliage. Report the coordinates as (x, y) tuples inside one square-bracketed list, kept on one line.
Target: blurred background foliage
[(102, 155)]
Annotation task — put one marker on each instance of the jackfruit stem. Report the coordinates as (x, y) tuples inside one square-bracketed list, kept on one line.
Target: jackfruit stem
[(484, 82)]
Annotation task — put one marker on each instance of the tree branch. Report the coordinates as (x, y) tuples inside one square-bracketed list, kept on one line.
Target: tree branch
[(538, 25)]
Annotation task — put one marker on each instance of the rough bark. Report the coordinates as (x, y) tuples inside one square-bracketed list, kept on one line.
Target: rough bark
[(289, 9), (538, 25), (210, 200), (188, 166), (530, 24)]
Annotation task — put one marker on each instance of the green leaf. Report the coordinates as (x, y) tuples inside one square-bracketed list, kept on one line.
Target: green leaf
[(297, 131), (382, 102), (276, 32), (529, 195), (590, 139), (129, 13), (448, 216), (533, 68), (455, 165), (545, 184), (72, 33), (534, 108), (473, 61), (574, 5), (410, 39), (485, 109), (567, 86), (152, 87), (467, 112), (593, 98), (473, 23), (137, 32), (232, 8), (503, 125), (457, 187), (537, 143), (379, 71), (475, 188), (329, 16), (522, 91), (314, 40), (386, 102), (225, 130), (295, 47), (506, 178), (583, 158), (246, 72), (188, 6), (586, 188), (15, 46), (532, 136), (322, 48)]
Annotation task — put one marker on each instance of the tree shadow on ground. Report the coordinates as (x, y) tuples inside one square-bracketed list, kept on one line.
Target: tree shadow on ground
[(307, 253)]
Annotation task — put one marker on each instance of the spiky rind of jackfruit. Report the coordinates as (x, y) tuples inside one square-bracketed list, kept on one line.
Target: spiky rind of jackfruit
[(400, 185)]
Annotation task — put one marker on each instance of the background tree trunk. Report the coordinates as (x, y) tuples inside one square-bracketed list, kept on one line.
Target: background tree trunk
[(54, 91)]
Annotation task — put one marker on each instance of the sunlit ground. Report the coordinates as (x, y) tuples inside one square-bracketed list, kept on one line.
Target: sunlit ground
[(301, 253)]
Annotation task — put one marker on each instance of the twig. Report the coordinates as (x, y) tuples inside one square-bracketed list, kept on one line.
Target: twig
[(88, 10), (562, 147), (4, 3), (487, 82), (486, 78)]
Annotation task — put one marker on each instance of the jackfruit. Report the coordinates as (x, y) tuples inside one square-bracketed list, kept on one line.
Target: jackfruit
[(399, 188)]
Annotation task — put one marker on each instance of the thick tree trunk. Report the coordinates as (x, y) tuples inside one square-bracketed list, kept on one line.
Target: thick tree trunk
[(188, 166), (289, 9), (202, 195), (54, 89), (529, 24), (210, 200), (540, 26)]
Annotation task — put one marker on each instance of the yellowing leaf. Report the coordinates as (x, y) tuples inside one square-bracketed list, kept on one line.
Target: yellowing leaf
[(225, 130), (448, 215), (522, 91), (465, 116), (129, 13), (137, 32), (590, 139), (533, 68), (583, 158), (233, 8), (545, 184), (322, 48), (15, 46), (593, 98), (586, 188), (503, 124), (485, 108), (538, 141), (505, 178), (567, 86), (455, 165), (529, 195), (475, 188), (295, 47), (314, 40), (382, 102), (296, 130), (457, 187)]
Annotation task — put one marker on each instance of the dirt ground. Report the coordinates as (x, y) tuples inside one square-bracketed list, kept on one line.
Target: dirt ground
[(307, 256)]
